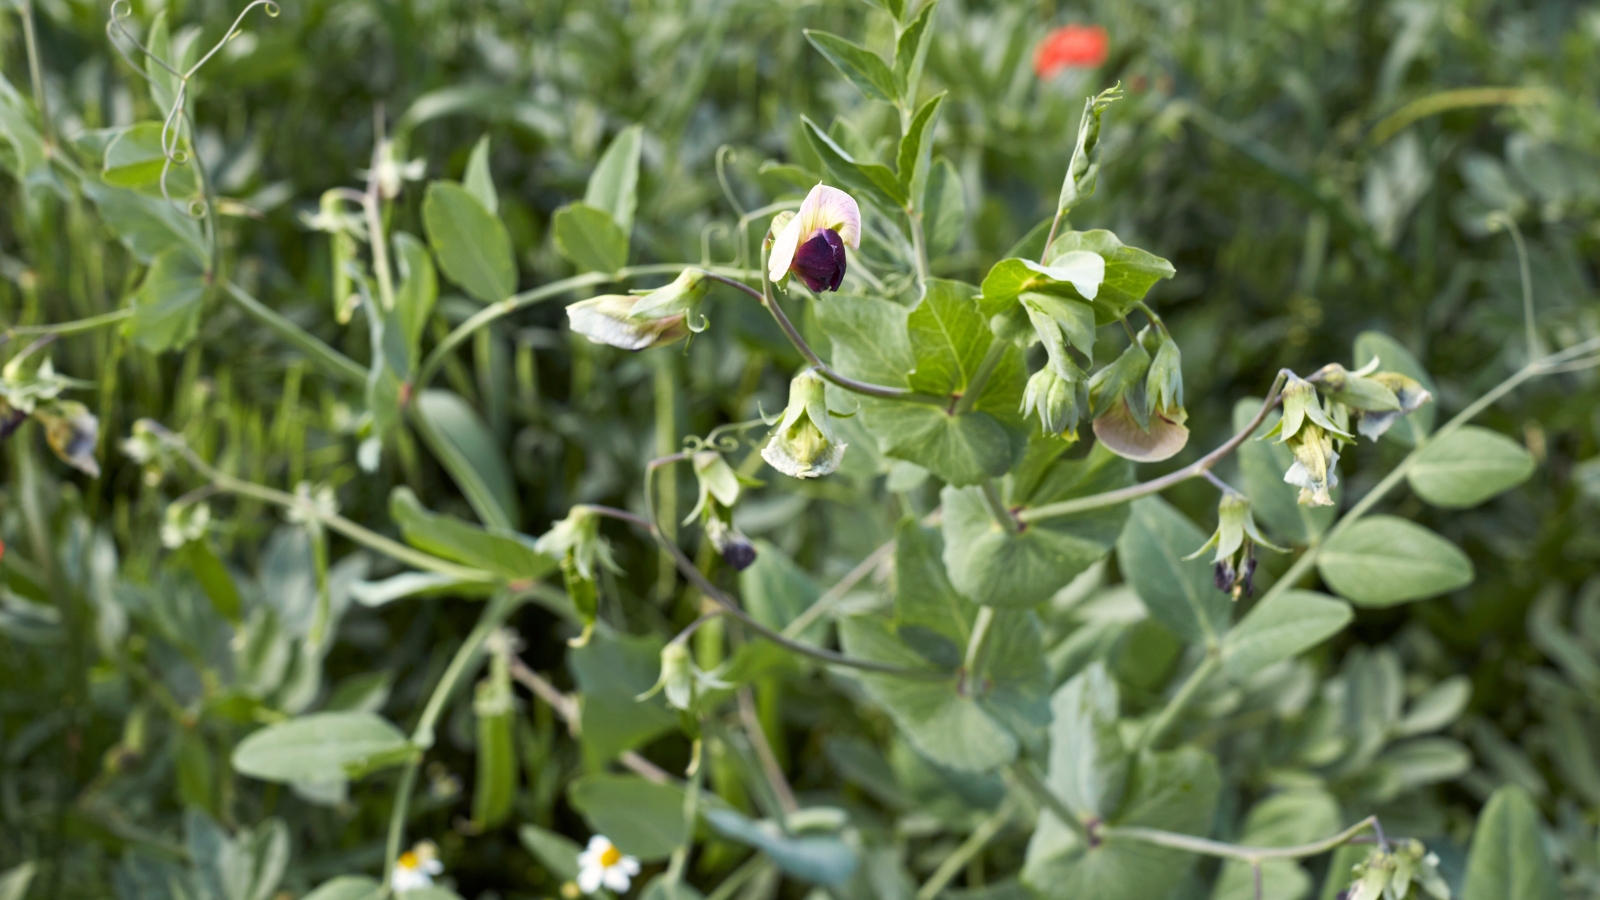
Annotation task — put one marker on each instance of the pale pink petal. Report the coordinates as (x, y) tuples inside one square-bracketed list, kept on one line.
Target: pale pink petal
[(829, 207), (783, 249)]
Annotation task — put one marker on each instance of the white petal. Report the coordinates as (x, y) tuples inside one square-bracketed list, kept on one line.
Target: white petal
[(617, 880), (777, 455), (589, 879), (783, 249), (629, 865), (829, 207)]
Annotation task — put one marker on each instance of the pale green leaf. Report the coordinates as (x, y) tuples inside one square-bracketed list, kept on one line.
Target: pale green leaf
[(320, 747), (860, 66), (1468, 466), (467, 449), (471, 244), (1508, 857), (1385, 560), (614, 185), (590, 238), (477, 179), (1180, 594), (166, 307), (1281, 628), (642, 818)]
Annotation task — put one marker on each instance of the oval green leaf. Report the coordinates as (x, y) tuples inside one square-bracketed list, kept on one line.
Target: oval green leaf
[(472, 245), (320, 747), (1385, 560), (1466, 467)]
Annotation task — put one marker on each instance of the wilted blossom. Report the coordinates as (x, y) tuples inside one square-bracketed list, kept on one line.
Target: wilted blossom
[(804, 445), (1311, 435), (1071, 47), (1235, 541), (1378, 399), (1387, 874), (812, 243), (72, 432), (1139, 412)]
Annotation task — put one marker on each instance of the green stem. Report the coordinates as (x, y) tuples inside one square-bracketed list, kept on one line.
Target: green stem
[(975, 842), (335, 362), (1179, 702), (919, 248), (36, 75), (997, 508), (1194, 470), (76, 326), (980, 377), (978, 644), (1251, 855), (422, 737), (1029, 779)]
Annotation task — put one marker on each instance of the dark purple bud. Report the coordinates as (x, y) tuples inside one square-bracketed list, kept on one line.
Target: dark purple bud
[(1247, 576), (1223, 576), (739, 553), (11, 419), (820, 261)]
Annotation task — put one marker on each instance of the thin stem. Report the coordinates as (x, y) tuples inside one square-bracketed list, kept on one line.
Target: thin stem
[(335, 362), (76, 326), (1206, 847), (972, 846), (1198, 467), (1036, 786), (372, 204), (1535, 349), (36, 75), (1055, 223), (755, 865), (699, 580), (978, 644), (823, 369), (980, 377), (769, 760), (422, 737), (997, 508), (832, 595), (1169, 713)]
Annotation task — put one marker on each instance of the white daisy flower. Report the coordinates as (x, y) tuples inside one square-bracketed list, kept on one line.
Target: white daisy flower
[(416, 868), (602, 864)]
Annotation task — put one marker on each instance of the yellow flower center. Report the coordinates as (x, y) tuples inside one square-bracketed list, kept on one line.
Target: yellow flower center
[(408, 860), (610, 856)]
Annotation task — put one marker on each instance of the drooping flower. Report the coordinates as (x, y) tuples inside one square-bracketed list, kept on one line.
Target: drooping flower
[(736, 549), (1138, 410), (1071, 47), (608, 319), (601, 864), (804, 445), (812, 243), (1234, 542), (416, 868), (1311, 434), (72, 432)]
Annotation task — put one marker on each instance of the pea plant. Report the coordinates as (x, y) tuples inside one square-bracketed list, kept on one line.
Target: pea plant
[(1002, 425)]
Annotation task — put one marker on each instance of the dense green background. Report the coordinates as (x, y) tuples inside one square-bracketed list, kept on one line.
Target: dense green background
[(1252, 150)]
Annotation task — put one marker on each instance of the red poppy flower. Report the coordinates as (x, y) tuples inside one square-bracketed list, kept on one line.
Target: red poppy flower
[(1071, 47)]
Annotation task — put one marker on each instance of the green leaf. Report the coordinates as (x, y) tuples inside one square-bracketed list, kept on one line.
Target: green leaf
[(1130, 273), (1088, 762), (911, 50), (1392, 357), (642, 818), (1280, 628), (893, 7), (1508, 857), (1274, 501), (418, 292), (930, 615), (944, 208), (611, 671), (1468, 466), (589, 238), (477, 179), (1074, 276), (500, 551), (467, 449), (946, 725), (348, 887), (147, 226), (775, 590), (948, 338), (916, 148), (166, 308), (1179, 593), (961, 449), (997, 568), (557, 852), (860, 66), (416, 584), (472, 245), (1385, 560), (214, 578), (871, 180), (320, 747), (134, 159), (870, 336), (817, 859), (1174, 791), (614, 185)]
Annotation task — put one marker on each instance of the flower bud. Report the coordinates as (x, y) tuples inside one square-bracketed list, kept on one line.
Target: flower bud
[(183, 523), (1056, 400), (11, 418), (1413, 863), (682, 295), (1126, 421), (72, 432), (736, 549), (804, 445), (608, 319), (578, 537), (718, 482), (812, 244), (677, 675), (1234, 542)]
